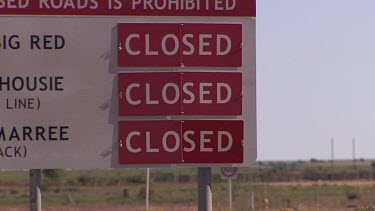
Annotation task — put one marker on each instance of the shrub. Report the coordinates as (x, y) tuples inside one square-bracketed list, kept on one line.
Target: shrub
[(164, 177), (312, 174), (352, 196), (125, 193), (85, 180), (13, 192), (314, 160), (216, 178), (366, 208), (52, 173), (135, 179), (183, 178), (303, 208), (142, 193)]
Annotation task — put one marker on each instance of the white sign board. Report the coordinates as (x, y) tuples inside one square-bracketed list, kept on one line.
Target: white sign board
[(59, 97)]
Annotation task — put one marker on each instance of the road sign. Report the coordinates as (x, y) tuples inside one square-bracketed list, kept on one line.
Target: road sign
[(149, 87), (180, 93), (181, 142), (228, 173), (179, 44), (59, 81)]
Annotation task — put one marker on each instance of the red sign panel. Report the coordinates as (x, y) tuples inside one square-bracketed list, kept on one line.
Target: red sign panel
[(175, 45), (181, 142), (180, 93), (216, 141), (130, 8)]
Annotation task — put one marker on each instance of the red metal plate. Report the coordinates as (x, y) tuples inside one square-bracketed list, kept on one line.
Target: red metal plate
[(177, 93), (148, 44), (141, 142), (192, 44), (149, 94), (216, 141), (181, 142), (217, 45), (218, 93)]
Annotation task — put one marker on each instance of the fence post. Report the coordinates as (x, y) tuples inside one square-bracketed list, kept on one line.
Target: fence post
[(252, 207), (230, 193), (147, 187)]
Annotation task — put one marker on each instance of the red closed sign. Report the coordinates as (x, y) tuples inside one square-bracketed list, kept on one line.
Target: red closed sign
[(175, 45), (180, 93), (181, 142)]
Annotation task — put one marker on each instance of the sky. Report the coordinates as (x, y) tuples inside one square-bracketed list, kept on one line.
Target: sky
[(315, 79)]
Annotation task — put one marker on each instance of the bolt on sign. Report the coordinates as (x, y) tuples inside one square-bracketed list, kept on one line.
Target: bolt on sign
[(98, 84)]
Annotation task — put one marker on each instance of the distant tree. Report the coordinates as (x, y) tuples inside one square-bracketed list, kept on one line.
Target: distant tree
[(314, 160), (313, 174)]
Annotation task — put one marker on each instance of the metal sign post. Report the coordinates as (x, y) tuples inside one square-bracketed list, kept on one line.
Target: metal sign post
[(230, 193), (229, 173), (147, 187), (204, 189), (35, 190)]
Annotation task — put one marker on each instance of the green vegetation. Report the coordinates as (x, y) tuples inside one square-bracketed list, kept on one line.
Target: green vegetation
[(366, 208), (298, 185)]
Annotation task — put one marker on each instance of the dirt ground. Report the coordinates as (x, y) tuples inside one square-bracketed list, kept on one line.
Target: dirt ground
[(181, 207), (320, 182), (130, 208)]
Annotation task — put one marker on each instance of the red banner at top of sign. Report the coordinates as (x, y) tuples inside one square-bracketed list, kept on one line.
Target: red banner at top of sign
[(130, 7)]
